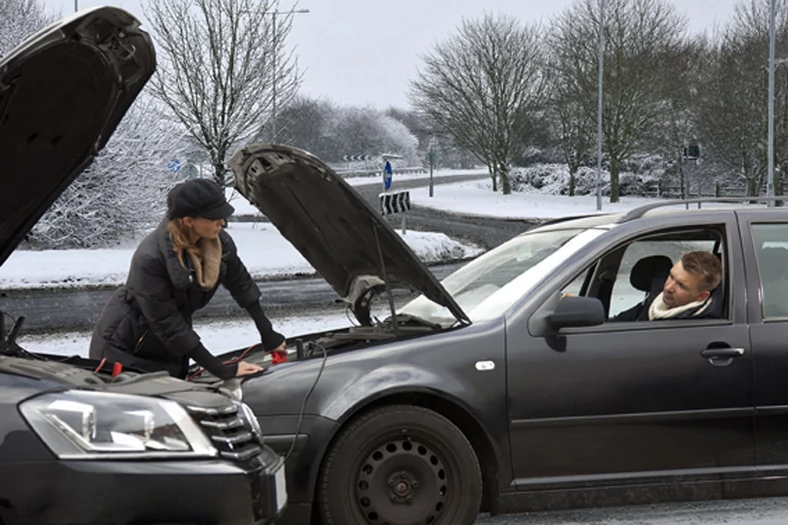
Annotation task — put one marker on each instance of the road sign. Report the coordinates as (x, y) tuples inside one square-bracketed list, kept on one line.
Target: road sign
[(398, 202), (174, 165), (387, 175)]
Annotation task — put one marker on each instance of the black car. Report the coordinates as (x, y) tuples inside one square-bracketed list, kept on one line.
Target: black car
[(493, 391), (84, 442)]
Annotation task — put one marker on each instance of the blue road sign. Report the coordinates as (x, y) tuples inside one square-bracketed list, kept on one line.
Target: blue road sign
[(387, 173), (174, 165)]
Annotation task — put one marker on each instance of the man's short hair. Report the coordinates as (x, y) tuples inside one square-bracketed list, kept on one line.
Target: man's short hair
[(705, 264)]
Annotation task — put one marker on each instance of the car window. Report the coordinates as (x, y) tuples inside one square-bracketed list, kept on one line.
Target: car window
[(490, 284), (610, 277), (771, 252), (576, 286), (624, 295)]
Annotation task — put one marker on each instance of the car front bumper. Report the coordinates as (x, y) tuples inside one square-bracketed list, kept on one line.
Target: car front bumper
[(109, 492), (303, 464)]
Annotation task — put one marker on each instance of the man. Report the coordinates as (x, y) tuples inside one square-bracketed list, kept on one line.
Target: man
[(686, 293)]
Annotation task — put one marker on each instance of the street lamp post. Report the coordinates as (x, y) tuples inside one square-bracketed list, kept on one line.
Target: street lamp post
[(599, 105), (76, 5), (770, 181), (274, 14)]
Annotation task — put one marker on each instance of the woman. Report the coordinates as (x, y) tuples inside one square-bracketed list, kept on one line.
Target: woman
[(174, 272)]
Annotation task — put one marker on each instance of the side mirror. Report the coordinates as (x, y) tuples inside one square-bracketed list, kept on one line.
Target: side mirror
[(571, 312)]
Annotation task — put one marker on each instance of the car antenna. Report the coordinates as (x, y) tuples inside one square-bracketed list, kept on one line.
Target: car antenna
[(386, 280)]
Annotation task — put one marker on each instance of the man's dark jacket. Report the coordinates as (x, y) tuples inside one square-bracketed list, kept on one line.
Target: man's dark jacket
[(147, 323), (639, 312)]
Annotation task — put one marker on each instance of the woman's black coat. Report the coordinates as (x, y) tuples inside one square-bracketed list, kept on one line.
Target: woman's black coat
[(147, 323)]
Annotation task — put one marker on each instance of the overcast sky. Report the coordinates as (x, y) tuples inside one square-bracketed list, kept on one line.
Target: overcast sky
[(361, 52)]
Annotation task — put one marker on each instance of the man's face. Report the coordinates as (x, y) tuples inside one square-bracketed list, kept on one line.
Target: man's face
[(682, 287)]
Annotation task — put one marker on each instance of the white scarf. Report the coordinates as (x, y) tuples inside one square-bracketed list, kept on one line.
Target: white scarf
[(659, 310)]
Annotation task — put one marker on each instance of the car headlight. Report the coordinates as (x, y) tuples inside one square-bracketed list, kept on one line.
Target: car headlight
[(255, 424), (89, 425)]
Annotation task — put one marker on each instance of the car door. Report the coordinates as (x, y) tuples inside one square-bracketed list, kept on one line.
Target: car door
[(633, 402), (765, 237)]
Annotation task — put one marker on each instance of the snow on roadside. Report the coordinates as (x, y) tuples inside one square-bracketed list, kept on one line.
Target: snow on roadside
[(244, 207), (265, 252), (476, 198)]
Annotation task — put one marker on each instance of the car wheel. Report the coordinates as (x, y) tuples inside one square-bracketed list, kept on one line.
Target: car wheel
[(400, 465)]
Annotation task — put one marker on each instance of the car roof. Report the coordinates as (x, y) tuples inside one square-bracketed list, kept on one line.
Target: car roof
[(703, 205), (659, 208)]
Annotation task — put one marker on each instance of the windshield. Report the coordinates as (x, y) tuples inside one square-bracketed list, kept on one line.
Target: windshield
[(490, 284)]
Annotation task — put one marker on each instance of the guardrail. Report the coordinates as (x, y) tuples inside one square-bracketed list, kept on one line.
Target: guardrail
[(369, 173)]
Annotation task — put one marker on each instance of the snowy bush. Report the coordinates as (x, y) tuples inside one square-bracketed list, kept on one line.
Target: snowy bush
[(553, 179)]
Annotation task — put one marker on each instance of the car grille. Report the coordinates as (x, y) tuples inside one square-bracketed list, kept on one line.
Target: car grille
[(229, 431)]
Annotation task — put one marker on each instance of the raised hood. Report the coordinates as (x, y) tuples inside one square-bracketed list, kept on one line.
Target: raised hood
[(62, 93), (325, 219)]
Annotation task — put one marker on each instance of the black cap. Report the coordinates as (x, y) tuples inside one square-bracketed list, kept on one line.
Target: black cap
[(198, 198)]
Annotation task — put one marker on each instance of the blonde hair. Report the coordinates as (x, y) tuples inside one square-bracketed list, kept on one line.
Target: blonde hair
[(180, 238)]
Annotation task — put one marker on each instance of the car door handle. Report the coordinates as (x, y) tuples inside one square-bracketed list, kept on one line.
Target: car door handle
[(722, 353)]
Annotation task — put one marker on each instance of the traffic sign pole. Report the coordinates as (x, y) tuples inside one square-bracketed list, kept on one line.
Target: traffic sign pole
[(431, 160), (432, 163)]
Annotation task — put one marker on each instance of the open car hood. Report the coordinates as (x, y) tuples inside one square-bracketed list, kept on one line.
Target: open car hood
[(325, 219), (62, 93)]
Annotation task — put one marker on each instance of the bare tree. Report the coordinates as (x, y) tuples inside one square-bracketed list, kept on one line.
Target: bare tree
[(569, 109), (331, 131), (641, 38), (304, 124), (20, 19), (480, 86), (733, 104), (676, 135), (217, 72)]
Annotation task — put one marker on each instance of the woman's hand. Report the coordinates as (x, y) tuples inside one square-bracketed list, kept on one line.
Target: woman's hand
[(279, 354), (245, 369)]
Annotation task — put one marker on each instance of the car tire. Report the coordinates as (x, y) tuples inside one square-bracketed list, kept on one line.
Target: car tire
[(400, 464)]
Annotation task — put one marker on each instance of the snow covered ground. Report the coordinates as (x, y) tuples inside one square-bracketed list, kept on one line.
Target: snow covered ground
[(264, 251), (243, 207), (477, 198)]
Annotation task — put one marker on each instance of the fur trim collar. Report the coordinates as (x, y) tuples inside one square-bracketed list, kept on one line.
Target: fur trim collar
[(206, 269)]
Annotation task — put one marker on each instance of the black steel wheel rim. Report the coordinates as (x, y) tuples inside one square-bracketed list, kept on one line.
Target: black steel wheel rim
[(405, 479)]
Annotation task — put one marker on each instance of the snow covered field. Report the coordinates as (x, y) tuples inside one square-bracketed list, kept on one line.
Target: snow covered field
[(264, 251)]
